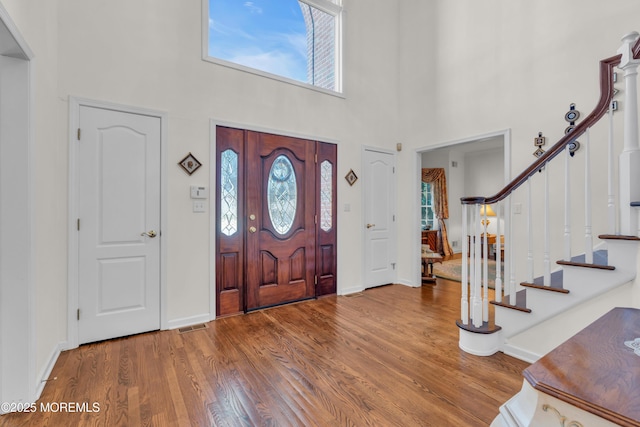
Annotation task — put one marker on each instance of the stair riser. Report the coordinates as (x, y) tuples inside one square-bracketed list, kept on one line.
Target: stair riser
[(583, 283), (623, 255)]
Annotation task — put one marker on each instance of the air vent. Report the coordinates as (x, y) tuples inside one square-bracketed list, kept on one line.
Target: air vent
[(192, 328)]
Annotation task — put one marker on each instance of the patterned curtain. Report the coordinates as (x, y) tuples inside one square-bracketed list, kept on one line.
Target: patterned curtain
[(437, 178)]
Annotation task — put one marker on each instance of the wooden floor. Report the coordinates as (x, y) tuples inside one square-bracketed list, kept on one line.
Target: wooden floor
[(386, 357)]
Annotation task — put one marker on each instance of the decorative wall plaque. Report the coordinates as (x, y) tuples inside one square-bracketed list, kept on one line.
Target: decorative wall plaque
[(539, 141), (351, 177), (189, 164), (572, 116)]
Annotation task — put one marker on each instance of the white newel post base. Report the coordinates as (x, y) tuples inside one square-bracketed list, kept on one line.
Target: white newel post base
[(480, 344), (531, 408)]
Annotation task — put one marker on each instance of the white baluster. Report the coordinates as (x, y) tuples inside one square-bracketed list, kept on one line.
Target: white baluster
[(567, 204), (588, 238), (485, 273), (464, 300), (529, 233), (611, 196), (472, 256), (499, 249), (629, 164), (477, 302), (547, 230), (511, 271)]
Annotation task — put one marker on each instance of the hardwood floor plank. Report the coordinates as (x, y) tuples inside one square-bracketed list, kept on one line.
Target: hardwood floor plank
[(388, 356)]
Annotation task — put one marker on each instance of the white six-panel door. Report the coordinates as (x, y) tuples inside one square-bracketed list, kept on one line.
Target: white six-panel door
[(119, 220), (379, 215)]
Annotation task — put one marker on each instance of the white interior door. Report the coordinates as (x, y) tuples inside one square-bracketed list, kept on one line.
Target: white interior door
[(379, 215), (119, 220)]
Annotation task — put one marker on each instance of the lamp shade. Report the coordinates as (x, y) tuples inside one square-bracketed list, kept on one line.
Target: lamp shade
[(486, 209)]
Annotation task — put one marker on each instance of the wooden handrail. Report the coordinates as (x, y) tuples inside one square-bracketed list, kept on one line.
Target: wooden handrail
[(606, 95)]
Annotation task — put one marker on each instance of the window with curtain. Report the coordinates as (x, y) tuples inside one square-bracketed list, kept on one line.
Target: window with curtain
[(436, 178), (429, 219)]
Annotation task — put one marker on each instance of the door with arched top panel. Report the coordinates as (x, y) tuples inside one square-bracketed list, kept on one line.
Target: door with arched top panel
[(281, 220)]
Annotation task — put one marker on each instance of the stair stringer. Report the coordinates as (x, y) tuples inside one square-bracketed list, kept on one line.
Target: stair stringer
[(584, 284)]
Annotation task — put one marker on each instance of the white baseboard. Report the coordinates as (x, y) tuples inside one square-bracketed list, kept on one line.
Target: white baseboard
[(409, 283), (520, 353), (45, 373), (188, 321), (352, 290)]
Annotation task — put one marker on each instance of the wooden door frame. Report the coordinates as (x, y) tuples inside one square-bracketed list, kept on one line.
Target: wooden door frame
[(213, 123), (73, 265), (453, 204)]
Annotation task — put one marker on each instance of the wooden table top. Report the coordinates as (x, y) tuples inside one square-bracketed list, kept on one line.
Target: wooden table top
[(595, 370)]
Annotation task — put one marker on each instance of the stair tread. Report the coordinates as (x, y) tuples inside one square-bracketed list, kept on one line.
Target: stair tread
[(618, 237), (486, 328), (600, 260), (520, 305), (555, 285)]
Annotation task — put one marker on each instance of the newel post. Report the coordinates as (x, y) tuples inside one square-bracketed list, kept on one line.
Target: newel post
[(630, 156)]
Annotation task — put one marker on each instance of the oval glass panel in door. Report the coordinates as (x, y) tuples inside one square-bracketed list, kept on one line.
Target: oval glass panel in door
[(282, 194)]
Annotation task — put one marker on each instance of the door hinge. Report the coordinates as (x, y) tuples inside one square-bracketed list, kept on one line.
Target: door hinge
[(79, 134), (78, 314), (316, 158), (315, 280), (393, 265), (393, 169), (315, 219), (78, 224), (394, 218)]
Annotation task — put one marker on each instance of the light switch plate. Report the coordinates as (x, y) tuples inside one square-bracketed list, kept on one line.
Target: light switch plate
[(199, 206), (198, 192)]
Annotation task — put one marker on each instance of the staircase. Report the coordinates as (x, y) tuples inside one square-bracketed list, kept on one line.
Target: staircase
[(524, 300), (528, 297)]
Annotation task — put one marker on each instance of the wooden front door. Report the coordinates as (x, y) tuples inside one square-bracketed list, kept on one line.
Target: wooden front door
[(272, 191), (280, 210)]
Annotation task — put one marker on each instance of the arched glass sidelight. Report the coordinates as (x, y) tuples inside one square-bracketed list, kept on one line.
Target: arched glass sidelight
[(326, 195), (229, 192)]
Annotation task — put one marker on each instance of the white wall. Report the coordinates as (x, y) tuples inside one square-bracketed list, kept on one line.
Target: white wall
[(505, 65)]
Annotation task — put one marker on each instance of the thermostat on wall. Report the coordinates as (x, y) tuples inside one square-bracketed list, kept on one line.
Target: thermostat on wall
[(198, 192)]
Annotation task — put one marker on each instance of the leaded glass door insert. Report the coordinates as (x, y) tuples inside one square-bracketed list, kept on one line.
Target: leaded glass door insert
[(229, 192), (282, 194)]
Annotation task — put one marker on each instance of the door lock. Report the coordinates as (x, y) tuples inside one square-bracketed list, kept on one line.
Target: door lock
[(370, 225), (252, 230), (150, 233)]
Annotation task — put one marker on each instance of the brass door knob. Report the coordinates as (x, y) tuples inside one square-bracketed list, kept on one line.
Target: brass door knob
[(252, 230), (370, 225), (150, 233)]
